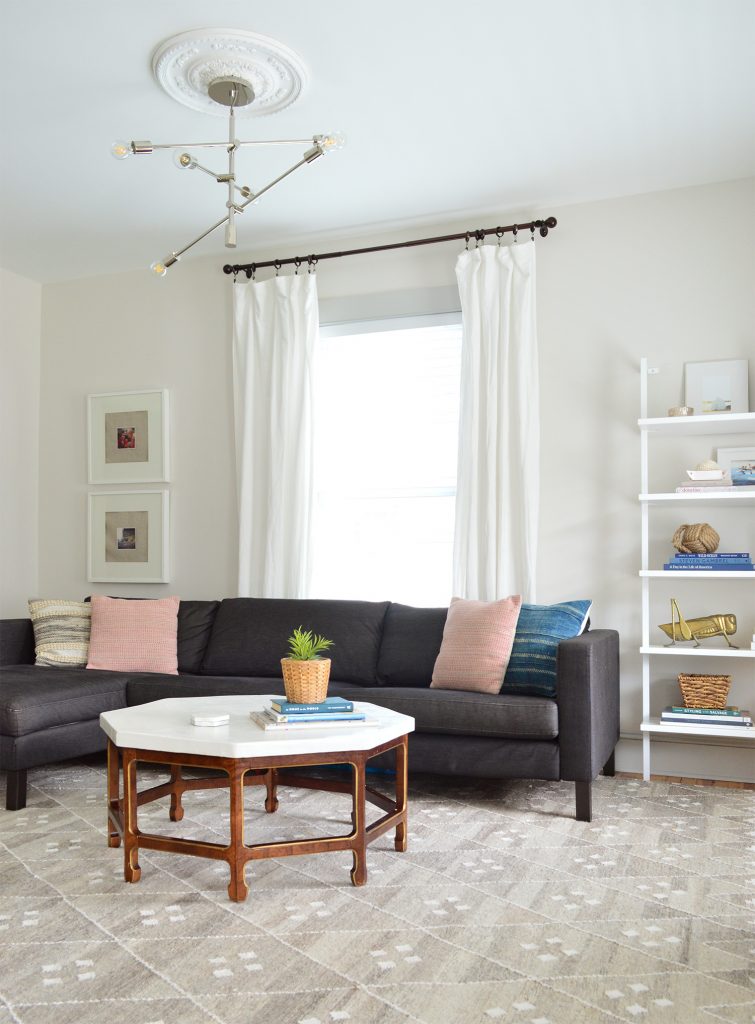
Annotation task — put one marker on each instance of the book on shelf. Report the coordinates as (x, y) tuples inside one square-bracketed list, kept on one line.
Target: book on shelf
[(740, 565), (723, 723), (264, 721), (709, 556), (330, 704), (699, 716), (730, 711), (720, 561), (722, 486)]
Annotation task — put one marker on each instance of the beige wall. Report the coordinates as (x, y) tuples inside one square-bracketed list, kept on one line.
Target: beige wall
[(20, 308), (668, 275)]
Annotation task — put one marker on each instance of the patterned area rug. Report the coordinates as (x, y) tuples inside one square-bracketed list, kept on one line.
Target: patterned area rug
[(503, 909)]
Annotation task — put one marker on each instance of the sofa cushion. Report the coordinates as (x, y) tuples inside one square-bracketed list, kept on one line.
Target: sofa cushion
[(477, 641), (195, 619), (250, 636), (142, 689), (36, 697), (411, 641), (541, 628), (463, 712), (61, 632), (134, 636)]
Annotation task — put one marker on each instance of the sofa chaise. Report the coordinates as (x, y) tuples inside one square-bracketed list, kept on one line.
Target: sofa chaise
[(383, 653)]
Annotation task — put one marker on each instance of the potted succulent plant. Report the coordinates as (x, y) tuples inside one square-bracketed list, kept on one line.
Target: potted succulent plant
[(305, 673)]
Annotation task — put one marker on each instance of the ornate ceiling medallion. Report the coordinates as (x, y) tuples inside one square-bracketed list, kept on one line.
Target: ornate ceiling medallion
[(185, 65)]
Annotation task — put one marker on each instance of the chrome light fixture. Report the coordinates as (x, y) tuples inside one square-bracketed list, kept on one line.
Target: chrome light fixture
[(232, 91)]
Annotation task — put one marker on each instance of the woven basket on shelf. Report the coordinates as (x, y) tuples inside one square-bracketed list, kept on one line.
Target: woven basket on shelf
[(703, 691), (306, 682)]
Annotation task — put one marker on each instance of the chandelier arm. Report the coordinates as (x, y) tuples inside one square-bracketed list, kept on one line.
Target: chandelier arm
[(224, 145), (256, 195), (179, 252)]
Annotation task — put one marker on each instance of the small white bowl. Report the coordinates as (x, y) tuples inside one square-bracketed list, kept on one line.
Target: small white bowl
[(705, 474)]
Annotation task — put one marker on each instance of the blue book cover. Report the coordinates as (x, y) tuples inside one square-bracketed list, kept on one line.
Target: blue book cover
[(721, 566), (330, 704), (683, 556), (728, 723), (321, 716)]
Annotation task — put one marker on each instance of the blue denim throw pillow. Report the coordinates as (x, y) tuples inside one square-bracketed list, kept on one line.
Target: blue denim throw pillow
[(539, 630)]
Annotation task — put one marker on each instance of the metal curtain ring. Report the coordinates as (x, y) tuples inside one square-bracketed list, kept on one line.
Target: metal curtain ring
[(277, 264), (311, 264), (499, 234), (479, 237), (532, 231), (516, 232), (297, 264)]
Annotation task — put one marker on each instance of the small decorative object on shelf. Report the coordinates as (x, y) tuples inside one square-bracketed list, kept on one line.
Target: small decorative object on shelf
[(681, 410), (305, 673), (707, 470), (696, 538), (704, 691), (702, 628)]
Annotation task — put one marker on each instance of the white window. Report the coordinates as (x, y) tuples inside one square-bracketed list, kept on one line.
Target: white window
[(386, 434)]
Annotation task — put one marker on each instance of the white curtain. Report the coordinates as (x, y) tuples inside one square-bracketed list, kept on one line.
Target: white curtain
[(497, 498), (274, 337)]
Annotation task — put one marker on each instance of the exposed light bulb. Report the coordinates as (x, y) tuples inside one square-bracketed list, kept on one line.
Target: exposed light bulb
[(158, 268), (332, 141), (185, 161), (121, 149)]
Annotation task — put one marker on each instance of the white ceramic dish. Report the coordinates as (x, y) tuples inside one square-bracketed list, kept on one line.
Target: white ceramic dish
[(705, 474)]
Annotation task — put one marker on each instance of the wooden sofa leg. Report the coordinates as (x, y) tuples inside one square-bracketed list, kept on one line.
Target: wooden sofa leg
[(584, 801), (15, 795), (609, 768)]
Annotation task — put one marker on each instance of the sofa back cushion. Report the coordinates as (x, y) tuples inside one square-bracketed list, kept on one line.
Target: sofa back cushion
[(250, 636), (411, 641), (195, 619)]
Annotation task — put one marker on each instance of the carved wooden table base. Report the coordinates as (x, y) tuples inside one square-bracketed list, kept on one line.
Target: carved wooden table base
[(240, 772)]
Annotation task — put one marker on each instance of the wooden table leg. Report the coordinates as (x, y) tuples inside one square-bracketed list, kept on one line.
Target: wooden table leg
[(113, 793), (271, 784), (359, 850), (131, 870), (402, 759), (237, 887), (176, 809)]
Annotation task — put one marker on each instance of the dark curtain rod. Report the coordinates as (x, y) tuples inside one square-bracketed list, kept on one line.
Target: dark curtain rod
[(250, 268)]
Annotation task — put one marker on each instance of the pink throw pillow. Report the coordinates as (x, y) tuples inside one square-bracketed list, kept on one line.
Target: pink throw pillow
[(134, 636), (477, 641)]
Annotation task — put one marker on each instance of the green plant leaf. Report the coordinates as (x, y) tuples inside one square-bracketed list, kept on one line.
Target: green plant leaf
[(304, 645)]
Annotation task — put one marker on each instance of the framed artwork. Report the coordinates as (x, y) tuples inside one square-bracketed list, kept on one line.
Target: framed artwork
[(128, 537), (716, 387), (128, 437), (739, 463)]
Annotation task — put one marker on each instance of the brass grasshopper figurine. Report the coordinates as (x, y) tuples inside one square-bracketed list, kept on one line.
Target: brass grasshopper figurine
[(702, 628)]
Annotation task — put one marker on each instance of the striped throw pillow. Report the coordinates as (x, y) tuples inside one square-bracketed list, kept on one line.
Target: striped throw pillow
[(476, 646), (134, 636), (61, 632), (533, 665)]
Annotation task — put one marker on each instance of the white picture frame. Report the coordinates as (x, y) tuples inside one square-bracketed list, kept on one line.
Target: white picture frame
[(128, 536), (717, 387), (736, 463), (135, 450)]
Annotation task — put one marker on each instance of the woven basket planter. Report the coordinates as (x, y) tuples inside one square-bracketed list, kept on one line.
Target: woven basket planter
[(702, 691), (306, 682)]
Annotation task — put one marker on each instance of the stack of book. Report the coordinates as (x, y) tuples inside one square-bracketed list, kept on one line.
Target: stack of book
[(721, 561), (723, 486), (734, 717), (333, 712)]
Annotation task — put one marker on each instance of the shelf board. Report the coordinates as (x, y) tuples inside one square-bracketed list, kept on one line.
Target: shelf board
[(743, 495), (735, 732), (715, 423), (700, 652), (699, 574)]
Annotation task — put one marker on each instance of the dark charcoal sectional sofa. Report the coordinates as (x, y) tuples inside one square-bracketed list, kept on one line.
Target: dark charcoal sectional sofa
[(383, 653)]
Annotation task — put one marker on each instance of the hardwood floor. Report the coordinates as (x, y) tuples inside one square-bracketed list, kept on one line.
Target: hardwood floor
[(720, 783)]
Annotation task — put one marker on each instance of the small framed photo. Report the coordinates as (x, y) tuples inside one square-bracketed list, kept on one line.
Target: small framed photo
[(739, 463), (717, 387), (128, 437), (128, 537)]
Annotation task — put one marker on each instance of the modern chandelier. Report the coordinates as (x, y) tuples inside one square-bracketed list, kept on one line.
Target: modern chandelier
[(219, 71)]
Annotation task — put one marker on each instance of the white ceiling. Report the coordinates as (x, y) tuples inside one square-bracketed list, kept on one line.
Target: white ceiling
[(449, 106)]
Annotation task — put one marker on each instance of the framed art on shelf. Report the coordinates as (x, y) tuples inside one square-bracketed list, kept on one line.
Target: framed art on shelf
[(739, 463), (128, 437), (128, 537), (716, 387)]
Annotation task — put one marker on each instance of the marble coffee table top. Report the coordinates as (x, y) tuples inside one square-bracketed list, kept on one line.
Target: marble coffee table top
[(165, 725)]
